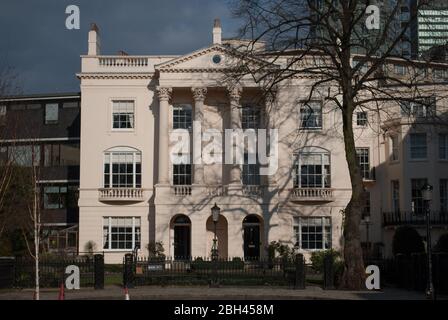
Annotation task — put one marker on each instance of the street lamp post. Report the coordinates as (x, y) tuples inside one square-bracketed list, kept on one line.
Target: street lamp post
[(367, 223), (215, 216), (427, 197)]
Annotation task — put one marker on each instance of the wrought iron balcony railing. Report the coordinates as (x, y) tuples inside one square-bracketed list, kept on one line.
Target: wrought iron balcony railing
[(412, 218)]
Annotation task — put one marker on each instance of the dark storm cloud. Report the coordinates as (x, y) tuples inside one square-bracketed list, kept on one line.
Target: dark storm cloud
[(45, 55)]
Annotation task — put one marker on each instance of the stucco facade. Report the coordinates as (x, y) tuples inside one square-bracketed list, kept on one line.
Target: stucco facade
[(152, 90)]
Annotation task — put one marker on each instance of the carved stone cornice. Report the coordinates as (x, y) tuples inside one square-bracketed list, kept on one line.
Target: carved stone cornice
[(234, 93), (127, 76), (199, 94), (164, 93)]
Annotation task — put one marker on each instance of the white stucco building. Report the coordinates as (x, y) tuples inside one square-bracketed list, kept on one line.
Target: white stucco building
[(131, 194)]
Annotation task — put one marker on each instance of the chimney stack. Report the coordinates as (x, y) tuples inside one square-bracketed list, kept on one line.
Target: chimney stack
[(94, 41), (217, 32)]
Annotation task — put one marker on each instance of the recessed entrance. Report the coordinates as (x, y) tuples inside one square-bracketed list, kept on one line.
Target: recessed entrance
[(252, 237), (181, 226)]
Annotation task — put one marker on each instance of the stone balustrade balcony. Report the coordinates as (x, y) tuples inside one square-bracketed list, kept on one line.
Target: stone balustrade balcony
[(312, 194), (121, 194)]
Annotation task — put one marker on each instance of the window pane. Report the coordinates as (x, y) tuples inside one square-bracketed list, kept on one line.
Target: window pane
[(311, 116), (313, 171), (443, 146), (418, 145), (182, 117), (51, 113), (418, 205), (123, 232), (123, 115), (69, 154)]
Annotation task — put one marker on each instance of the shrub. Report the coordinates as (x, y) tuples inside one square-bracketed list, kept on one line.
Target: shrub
[(407, 241), (317, 259), (90, 248), (156, 250), (442, 243), (277, 249)]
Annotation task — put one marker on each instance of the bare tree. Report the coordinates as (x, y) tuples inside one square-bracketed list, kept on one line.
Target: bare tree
[(8, 86), (335, 44)]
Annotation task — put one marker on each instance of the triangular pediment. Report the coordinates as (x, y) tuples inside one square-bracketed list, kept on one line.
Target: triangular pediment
[(215, 58)]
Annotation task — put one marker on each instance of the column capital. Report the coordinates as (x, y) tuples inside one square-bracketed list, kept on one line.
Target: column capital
[(199, 93), (234, 92), (164, 93)]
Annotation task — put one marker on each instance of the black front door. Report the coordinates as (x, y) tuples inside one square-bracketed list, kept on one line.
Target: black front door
[(181, 242), (251, 242)]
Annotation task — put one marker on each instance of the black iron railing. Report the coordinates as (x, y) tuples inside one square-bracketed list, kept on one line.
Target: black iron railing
[(413, 218)]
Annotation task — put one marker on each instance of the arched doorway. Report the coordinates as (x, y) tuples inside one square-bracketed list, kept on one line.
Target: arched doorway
[(181, 226), (221, 235), (252, 237)]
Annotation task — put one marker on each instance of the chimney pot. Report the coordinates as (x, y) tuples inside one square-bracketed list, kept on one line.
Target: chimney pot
[(94, 41), (217, 32)]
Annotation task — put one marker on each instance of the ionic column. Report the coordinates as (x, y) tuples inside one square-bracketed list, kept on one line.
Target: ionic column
[(235, 119), (199, 95), (164, 94)]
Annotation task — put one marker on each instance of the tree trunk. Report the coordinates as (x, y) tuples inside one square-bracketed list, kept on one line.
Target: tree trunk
[(354, 273), (36, 242)]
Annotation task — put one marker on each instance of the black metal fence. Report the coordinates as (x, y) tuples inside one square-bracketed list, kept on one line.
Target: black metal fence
[(203, 271), (411, 272), (20, 272)]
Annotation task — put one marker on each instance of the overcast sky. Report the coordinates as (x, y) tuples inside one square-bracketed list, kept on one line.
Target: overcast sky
[(45, 55)]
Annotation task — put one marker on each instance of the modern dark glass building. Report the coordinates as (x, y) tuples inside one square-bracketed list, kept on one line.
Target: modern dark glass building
[(43, 131)]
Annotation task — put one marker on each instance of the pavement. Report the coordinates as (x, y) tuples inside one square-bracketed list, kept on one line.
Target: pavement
[(221, 293)]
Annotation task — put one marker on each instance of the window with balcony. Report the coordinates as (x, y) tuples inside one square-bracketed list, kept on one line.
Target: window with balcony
[(311, 116), (182, 116), (395, 184), (251, 171), (312, 233), (418, 204), (250, 117), (363, 157), (122, 169), (121, 233), (182, 174), (443, 146), (51, 113), (418, 146), (123, 115), (312, 168)]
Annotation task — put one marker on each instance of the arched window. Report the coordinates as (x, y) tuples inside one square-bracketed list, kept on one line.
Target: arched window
[(122, 168), (312, 168)]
